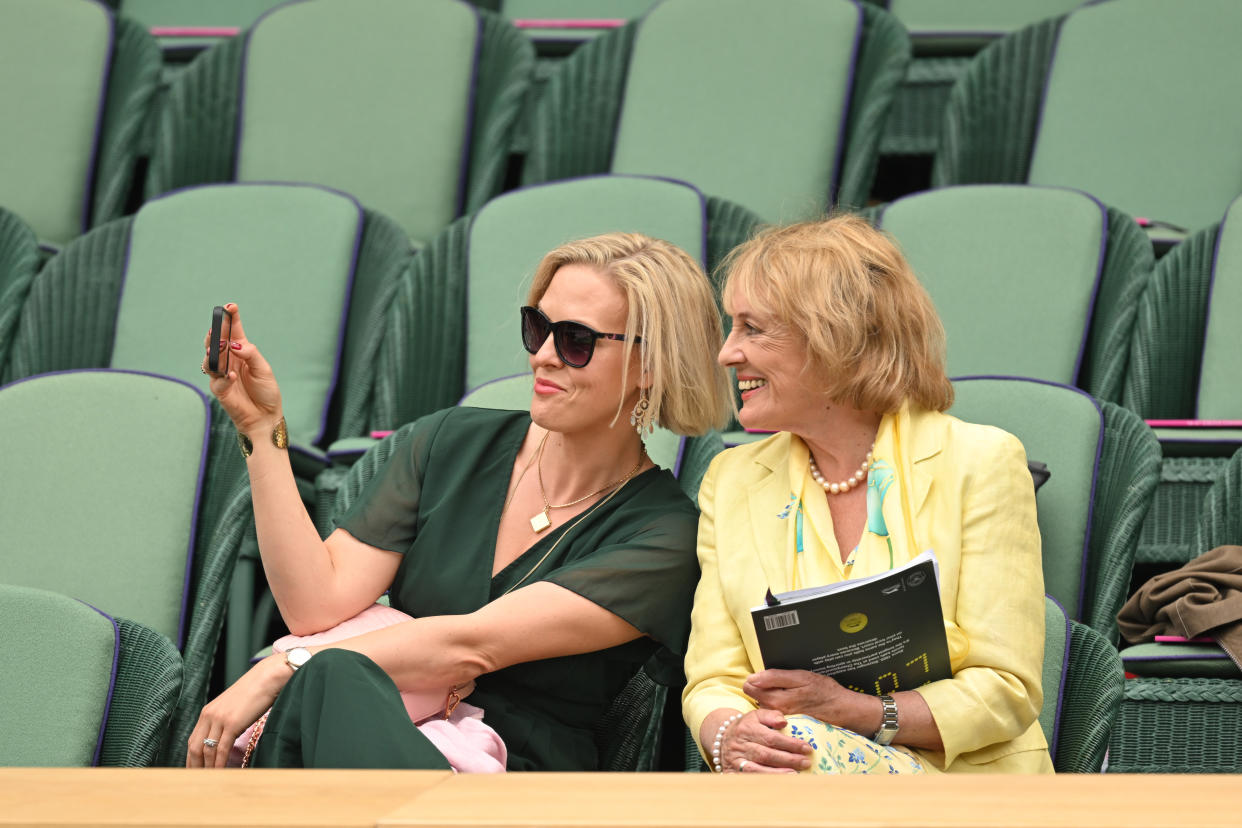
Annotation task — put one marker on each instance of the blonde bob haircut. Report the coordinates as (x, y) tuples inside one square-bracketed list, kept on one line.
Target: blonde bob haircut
[(873, 338), (673, 309)]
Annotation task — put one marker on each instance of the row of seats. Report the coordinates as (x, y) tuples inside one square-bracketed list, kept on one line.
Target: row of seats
[(414, 111), (166, 571), (1030, 281)]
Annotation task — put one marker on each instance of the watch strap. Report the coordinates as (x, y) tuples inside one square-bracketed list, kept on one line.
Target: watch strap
[(888, 724)]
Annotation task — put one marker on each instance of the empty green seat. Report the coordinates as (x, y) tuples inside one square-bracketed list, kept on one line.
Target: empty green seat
[(311, 270), (693, 89), (1183, 714), (111, 707), (1124, 99), (1039, 282), (1183, 366), (1104, 464), (75, 87), (454, 321), (945, 34), (156, 498), (411, 113)]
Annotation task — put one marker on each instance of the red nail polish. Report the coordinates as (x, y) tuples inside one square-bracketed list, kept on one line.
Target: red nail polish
[(236, 346)]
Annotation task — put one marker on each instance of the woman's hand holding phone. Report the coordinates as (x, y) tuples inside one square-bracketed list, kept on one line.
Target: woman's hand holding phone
[(243, 381)]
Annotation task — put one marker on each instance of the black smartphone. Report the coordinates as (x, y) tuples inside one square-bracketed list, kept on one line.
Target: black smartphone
[(221, 330)]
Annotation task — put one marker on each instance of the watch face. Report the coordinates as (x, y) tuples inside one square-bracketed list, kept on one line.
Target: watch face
[(297, 657)]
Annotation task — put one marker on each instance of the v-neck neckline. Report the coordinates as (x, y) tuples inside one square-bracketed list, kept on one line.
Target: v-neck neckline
[(499, 580)]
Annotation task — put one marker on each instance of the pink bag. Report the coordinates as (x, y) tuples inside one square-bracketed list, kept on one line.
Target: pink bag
[(456, 729)]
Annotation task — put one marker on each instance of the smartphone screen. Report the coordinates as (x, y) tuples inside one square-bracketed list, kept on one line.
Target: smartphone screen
[(221, 330)]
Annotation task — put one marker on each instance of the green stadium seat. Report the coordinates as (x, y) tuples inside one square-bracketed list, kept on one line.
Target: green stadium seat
[(412, 113), (158, 500), (945, 35), (1183, 366), (112, 708), (75, 88), (1082, 683), (1123, 99), (1038, 282), (1104, 463), (19, 262), (454, 321), (687, 92), (311, 270), (1183, 711)]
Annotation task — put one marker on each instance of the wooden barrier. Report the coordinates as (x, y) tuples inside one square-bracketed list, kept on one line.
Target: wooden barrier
[(160, 796)]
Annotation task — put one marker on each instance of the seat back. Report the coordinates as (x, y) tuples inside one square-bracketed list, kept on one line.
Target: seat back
[(194, 14), (55, 58), (969, 20), (1063, 428), (373, 99), (1013, 272), (513, 393), (1137, 110), (53, 716), (105, 506), (1220, 393), (717, 95), (512, 233), (285, 254)]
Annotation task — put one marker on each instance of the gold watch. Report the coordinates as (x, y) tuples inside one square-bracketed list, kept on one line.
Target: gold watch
[(280, 439)]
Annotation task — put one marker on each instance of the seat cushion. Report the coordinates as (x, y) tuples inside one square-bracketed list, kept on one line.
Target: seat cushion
[(511, 235), (54, 61), (1220, 393), (56, 673), (1063, 428), (105, 506), (747, 101), (1013, 272), (1179, 661), (373, 99), (1137, 108), (284, 253)]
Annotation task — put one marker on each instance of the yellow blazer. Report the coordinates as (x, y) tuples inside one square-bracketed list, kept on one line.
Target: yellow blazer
[(973, 503)]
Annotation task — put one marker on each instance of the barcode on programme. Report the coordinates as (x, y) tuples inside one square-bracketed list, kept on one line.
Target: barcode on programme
[(780, 620)]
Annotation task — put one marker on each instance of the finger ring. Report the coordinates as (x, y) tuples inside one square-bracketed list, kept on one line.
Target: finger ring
[(210, 743), (741, 766)]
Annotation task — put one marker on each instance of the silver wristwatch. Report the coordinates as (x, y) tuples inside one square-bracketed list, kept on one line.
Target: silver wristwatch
[(296, 657), (888, 724)]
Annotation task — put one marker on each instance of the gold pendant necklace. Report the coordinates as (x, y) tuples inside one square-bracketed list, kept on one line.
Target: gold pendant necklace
[(542, 519)]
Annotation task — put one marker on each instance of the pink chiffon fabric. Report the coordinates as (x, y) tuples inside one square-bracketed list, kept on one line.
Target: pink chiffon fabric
[(470, 745)]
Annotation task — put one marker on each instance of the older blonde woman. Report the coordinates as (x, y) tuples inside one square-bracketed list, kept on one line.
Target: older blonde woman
[(837, 347), (542, 555)]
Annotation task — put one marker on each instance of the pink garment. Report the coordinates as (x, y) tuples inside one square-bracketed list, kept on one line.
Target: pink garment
[(469, 745)]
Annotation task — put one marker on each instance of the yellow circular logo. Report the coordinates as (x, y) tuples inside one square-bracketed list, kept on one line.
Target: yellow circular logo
[(854, 622)]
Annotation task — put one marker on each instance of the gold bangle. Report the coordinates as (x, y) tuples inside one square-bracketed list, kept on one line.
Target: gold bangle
[(280, 439)]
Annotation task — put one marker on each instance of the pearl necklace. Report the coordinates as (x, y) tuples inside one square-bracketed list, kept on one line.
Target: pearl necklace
[(848, 483)]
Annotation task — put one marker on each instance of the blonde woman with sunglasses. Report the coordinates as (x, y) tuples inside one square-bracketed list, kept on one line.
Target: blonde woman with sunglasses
[(542, 556)]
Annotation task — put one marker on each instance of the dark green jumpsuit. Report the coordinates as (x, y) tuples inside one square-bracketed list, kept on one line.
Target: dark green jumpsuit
[(438, 502)]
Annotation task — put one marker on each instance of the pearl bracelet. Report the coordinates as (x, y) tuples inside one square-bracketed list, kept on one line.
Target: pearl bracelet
[(720, 732)]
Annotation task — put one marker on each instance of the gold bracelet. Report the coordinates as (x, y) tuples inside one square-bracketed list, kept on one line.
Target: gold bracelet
[(280, 439)]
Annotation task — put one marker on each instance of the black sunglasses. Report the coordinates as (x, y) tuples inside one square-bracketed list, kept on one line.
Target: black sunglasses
[(574, 342)]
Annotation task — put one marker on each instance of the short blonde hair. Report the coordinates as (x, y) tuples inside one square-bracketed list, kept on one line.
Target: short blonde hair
[(673, 309), (873, 337)]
